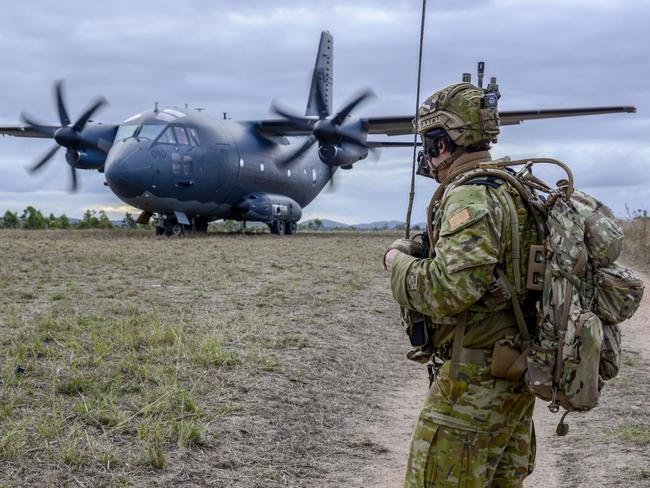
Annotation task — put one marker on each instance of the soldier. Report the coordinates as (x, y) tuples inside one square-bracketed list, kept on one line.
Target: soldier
[(475, 429)]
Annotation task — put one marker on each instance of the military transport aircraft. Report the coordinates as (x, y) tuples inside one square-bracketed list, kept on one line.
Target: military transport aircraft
[(190, 170)]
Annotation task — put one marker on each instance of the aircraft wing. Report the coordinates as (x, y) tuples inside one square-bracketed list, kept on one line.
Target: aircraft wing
[(24, 131), (403, 124)]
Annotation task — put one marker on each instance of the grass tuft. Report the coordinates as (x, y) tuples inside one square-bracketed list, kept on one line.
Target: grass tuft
[(211, 352), (74, 386)]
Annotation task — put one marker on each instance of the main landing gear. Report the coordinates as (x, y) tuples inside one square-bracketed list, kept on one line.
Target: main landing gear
[(279, 227)]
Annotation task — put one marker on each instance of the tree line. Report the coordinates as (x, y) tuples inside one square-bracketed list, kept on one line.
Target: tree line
[(33, 218)]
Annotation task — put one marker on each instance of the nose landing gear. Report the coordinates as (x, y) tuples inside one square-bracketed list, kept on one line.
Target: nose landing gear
[(168, 225)]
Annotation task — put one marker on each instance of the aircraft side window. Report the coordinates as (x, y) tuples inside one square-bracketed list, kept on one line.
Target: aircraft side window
[(181, 137), (194, 136), (167, 137)]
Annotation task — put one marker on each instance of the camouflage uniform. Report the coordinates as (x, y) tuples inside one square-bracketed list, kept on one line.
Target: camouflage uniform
[(474, 430)]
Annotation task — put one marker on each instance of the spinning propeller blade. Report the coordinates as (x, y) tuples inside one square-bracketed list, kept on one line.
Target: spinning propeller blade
[(66, 135)]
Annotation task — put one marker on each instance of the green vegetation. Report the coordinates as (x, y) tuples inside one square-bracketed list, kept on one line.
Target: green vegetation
[(635, 434), (33, 219), (94, 220), (118, 362)]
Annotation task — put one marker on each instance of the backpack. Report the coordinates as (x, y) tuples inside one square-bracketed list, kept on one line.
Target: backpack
[(582, 292)]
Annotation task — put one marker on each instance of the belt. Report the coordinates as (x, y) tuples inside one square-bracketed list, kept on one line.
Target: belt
[(475, 356)]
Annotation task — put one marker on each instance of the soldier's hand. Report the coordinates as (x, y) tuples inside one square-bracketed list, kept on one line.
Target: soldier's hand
[(388, 258), (407, 246)]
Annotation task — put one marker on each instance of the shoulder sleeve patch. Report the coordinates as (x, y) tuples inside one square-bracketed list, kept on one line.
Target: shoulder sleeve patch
[(458, 219)]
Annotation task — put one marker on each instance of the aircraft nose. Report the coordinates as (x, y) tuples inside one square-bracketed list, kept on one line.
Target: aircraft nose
[(127, 170)]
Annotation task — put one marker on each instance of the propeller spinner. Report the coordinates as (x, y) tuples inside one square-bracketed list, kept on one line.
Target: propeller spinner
[(67, 135), (328, 131)]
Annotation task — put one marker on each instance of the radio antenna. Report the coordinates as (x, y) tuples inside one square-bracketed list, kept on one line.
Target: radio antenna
[(415, 136)]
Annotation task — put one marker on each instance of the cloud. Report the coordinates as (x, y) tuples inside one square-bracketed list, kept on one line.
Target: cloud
[(237, 57)]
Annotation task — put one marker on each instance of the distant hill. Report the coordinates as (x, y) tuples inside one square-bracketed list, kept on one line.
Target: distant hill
[(326, 224), (378, 225)]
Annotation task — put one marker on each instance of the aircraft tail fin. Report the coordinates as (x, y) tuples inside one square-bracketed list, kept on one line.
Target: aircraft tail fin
[(321, 92)]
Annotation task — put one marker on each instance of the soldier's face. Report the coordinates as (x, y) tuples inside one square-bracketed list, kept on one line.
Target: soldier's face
[(436, 151)]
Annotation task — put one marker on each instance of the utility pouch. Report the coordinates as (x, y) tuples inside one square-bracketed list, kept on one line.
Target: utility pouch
[(415, 327), (417, 330), (509, 359)]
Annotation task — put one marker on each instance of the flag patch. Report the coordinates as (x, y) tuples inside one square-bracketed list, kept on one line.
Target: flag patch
[(458, 219)]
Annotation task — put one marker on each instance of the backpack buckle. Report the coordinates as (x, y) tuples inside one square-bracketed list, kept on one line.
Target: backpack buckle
[(536, 267)]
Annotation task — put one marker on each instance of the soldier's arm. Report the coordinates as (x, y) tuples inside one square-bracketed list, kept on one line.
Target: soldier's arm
[(465, 256)]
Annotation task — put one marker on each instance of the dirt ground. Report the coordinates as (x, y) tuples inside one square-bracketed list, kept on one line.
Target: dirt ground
[(241, 361), (606, 447)]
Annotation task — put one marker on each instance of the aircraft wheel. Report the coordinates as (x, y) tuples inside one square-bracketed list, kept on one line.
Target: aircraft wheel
[(291, 228), (177, 229), (277, 227)]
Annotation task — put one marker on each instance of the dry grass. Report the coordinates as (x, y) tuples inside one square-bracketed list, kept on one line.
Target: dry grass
[(239, 361), (234, 360), (637, 242)]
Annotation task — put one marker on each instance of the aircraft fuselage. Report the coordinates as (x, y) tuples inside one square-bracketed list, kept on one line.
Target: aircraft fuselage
[(180, 160)]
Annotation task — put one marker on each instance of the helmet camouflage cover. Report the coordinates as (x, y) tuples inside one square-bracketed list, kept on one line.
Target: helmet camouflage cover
[(468, 114)]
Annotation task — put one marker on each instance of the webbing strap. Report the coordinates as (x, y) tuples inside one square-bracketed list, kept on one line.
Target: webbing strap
[(458, 344), (516, 307), (515, 240)]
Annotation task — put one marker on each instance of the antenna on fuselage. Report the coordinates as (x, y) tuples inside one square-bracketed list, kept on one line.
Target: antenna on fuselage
[(155, 107)]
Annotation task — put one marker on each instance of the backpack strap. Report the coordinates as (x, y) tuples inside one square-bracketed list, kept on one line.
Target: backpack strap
[(459, 333), (516, 306)]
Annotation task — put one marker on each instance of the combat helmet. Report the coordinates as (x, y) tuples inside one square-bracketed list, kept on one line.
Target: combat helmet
[(467, 113)]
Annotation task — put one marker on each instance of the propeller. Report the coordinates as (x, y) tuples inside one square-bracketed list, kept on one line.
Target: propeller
[(327, 130), (68, 135)]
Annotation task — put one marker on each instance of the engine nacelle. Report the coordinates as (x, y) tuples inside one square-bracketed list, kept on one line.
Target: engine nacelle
[(341, 155), (89, 158), (267, 207)]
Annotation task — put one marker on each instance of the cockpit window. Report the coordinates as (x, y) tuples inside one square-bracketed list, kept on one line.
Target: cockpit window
[(181, 137), (149, 132), (125, 131), (167, 137), (139, 131)]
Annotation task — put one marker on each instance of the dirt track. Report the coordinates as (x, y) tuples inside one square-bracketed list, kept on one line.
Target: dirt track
[(608, 446)]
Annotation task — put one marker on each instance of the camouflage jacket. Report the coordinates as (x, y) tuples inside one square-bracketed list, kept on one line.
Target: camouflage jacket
[(471, 235)]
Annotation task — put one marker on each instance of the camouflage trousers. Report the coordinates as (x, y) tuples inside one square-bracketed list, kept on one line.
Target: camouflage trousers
[(474, 431)]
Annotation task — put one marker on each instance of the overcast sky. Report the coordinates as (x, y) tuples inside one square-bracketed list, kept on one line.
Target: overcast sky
[(239, 56)]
